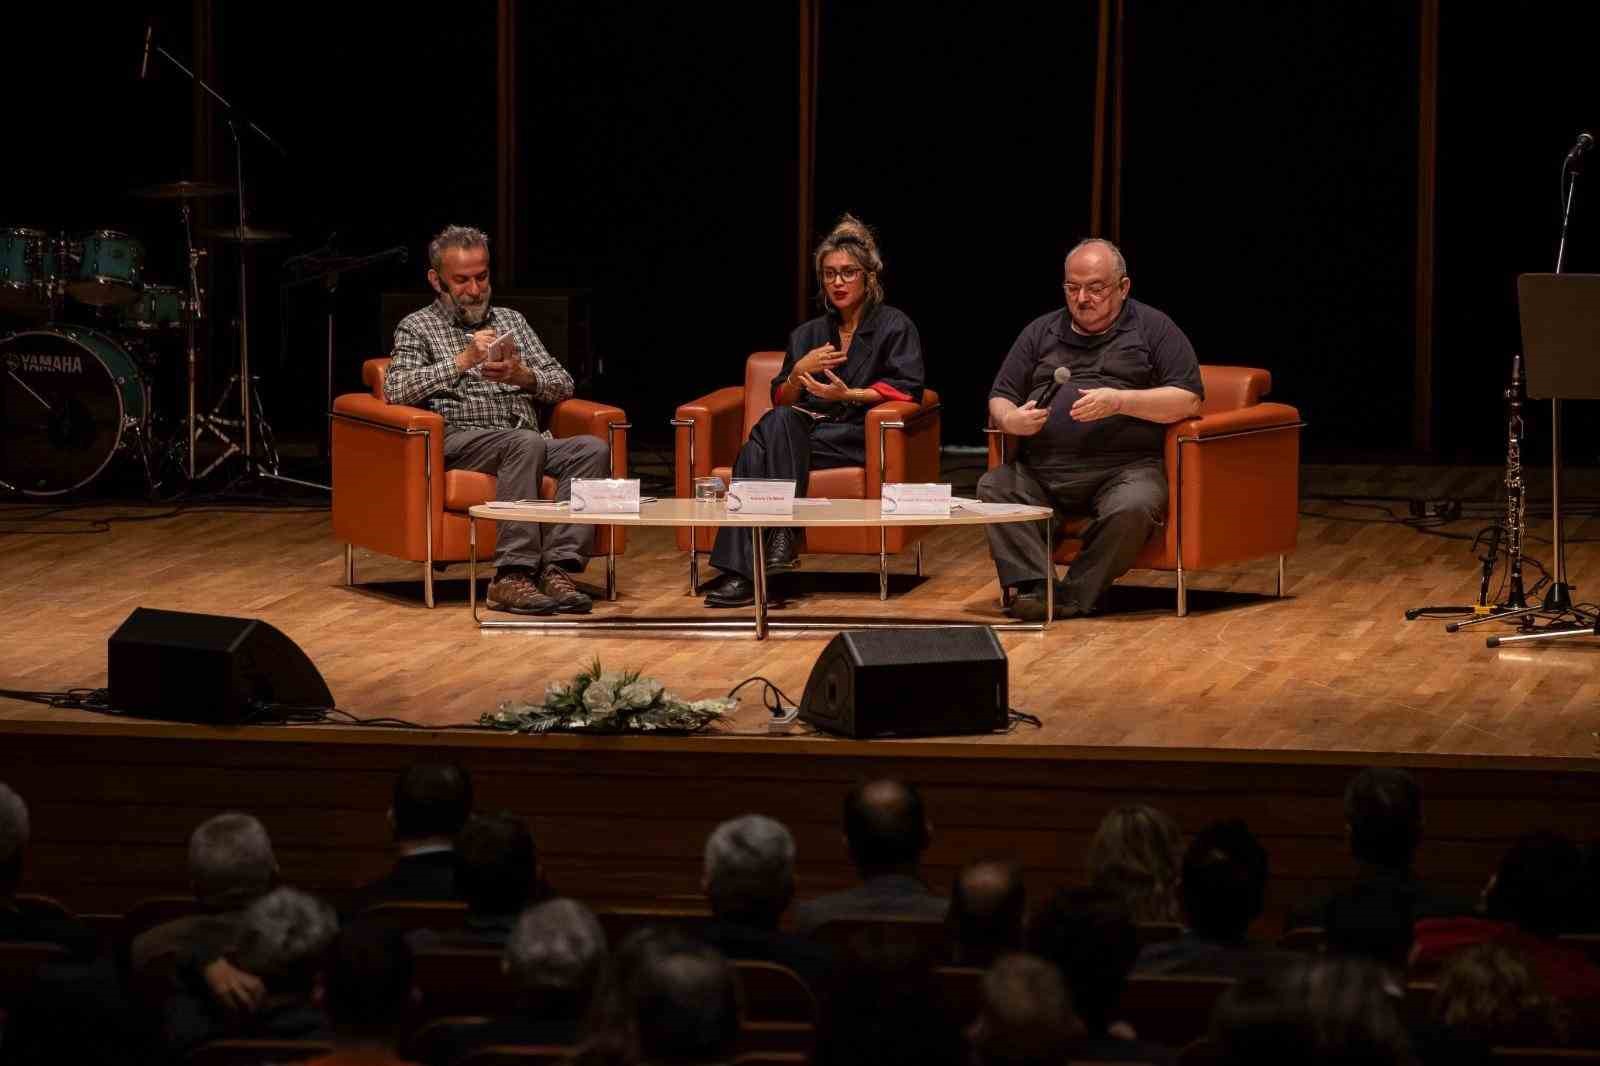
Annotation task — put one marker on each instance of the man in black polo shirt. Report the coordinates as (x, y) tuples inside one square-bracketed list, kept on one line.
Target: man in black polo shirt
[(1094, 447)]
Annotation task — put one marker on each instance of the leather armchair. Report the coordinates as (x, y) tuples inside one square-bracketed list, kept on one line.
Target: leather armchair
[(392, 494), (1233, 482), (902, 441)]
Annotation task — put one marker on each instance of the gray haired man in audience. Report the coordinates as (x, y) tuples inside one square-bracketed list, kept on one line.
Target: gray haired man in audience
[(18, 921), (749, 879), (231, 864)]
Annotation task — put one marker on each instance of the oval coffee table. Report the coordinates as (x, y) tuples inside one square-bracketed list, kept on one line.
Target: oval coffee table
[(688, 512)]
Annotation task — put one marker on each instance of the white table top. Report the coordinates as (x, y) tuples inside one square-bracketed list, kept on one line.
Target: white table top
[(684, 512)]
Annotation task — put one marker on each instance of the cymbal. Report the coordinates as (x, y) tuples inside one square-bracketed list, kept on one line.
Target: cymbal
[(181, 190), (252, 234)]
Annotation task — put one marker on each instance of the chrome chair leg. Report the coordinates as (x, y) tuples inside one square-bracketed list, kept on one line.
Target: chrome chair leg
[(427, 583), (350, 565), (1183, 594), (611, 565), (883, 564), (919, 558), (1281, 576), (694, 569)]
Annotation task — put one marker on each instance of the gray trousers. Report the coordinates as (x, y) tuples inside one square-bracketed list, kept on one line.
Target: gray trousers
[(1126, 502), (519, 459)]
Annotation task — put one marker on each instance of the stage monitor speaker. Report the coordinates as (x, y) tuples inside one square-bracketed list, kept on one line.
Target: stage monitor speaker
[(909, 682), (207, 667)]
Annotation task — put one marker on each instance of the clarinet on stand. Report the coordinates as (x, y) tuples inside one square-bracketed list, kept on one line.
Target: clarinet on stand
[(1490, 539)]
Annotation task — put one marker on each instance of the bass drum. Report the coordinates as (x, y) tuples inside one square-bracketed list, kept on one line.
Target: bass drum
[(70, 399)]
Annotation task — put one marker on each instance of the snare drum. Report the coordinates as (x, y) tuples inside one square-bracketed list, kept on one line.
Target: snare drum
[(70, 400), (23, 277), (109, 271), (157, 307)]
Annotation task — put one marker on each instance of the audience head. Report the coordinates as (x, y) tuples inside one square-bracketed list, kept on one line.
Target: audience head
[(1135, 853), (13, 839), (749, 870), (1537, 885), (1383, 814), (1224, 881), (883, 1007), (1489, 994), (885, 826), (497, 866), (987, 903), (1322, 1012), (1089, 934), (556, 956), (431, 800), (231, 861), (1026, 1016), (672, 1000), (1372, 922), (368, 989), (286, 939)]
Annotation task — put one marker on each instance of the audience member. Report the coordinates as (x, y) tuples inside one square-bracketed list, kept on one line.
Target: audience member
[(1488, 997), (1531, 898), (497, 873), (556, 957), (1315, 1012), (1089, 934), (369, 996), (883, 1007), (887, 832), (674, 1001), (231, 865), (284, 942), (430, 807), (19, 920), (1373, 921), (1026, 1017), (1223, 886), (987, 902), (1135, 853), (749, 879), (1383, 823)]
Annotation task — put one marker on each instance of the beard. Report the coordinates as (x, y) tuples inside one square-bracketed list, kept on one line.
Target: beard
[(472, 313)]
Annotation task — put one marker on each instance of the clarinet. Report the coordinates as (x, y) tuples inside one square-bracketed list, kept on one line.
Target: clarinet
[(1516, 490)]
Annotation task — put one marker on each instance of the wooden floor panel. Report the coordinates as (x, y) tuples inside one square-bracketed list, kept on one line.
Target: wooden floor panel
[(1332, 667)]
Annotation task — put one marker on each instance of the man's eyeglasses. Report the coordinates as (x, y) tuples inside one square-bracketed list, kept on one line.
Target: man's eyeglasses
[(1095, 291), (848, 275)]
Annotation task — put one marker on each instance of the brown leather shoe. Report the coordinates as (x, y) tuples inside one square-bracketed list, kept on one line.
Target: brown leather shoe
[(558, 585), (515, 591)]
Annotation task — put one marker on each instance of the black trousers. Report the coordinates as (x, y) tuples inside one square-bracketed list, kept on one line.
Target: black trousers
[(784, 445), (1126, 501)]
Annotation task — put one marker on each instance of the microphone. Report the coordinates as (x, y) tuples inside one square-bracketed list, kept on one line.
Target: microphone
[(1058, 379), (144, 64), (1585, 142)]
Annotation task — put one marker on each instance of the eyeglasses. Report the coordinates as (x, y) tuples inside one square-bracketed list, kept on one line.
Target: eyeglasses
[(848, 275), (1096, 291)]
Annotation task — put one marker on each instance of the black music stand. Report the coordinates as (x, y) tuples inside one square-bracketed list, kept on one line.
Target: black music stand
[(1561, 345)]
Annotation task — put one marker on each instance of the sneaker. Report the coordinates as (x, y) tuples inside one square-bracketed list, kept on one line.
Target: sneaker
[(783, 549), (558, 585), (515, 591)]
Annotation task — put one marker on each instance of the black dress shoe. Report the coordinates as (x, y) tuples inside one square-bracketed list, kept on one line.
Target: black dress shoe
[(736, 590), (783, 549)]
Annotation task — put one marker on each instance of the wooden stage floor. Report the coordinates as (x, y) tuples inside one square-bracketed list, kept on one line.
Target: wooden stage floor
[(1332, 667)]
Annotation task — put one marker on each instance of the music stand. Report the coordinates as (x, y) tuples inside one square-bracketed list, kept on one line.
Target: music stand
[(1561, 346)]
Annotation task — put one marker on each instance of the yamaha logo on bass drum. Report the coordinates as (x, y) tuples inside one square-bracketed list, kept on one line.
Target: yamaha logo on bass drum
[(43, 363)]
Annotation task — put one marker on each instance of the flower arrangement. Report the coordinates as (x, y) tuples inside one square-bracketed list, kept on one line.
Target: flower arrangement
[(597, 701)]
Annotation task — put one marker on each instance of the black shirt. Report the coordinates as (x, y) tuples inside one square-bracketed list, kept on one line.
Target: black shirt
[(1143, 349), (886, 348)]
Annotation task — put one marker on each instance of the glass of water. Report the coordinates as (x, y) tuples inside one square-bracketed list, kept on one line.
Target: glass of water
[(709, 490)]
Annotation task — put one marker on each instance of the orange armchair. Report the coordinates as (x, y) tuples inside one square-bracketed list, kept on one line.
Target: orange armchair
[(392, 494), (1233, 482), (902, 445)]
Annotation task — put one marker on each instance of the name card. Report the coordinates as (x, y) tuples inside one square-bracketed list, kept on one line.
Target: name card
[(761, 497), (604, 495), (910, 498)]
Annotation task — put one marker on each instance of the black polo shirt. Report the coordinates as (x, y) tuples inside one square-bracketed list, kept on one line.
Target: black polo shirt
[(1143, 349)]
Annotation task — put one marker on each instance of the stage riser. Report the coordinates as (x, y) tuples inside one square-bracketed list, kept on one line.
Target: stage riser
[(625, 820)]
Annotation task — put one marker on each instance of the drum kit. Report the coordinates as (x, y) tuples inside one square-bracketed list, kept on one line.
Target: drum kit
[(77, 389)]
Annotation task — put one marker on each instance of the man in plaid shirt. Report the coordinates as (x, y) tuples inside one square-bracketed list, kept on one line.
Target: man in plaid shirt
[(483, 369)]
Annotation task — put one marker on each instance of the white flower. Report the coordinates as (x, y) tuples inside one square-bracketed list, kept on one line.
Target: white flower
[(599, 701), (639, 695), (608, 682), (556, 691)]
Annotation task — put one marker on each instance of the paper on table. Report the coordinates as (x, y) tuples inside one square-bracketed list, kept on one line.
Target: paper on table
[(960, 503), (552, 504), (812, 501)]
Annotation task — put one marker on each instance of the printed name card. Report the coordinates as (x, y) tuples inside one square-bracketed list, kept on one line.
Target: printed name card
[(761, 497), (909, 498), (604, 495)]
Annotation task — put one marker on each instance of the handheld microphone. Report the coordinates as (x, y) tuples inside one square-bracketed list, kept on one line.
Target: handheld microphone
[(1058, 379), (1585, 142), (144, 64)]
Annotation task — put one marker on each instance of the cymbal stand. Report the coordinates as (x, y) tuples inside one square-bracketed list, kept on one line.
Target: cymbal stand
[(194, 311)]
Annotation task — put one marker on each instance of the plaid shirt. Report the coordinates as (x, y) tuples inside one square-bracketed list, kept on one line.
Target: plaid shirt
[(423, 368)]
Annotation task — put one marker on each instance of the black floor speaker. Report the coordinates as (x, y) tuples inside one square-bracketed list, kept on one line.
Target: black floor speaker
[(909, 682), (207, 668)]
